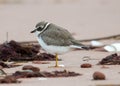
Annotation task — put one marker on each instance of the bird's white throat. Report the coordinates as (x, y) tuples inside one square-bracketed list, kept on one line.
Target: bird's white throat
[(37, 33)]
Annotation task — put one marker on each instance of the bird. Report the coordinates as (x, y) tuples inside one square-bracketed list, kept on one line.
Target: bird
[(56, 40)]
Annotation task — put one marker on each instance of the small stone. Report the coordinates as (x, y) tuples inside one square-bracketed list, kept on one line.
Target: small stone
[(86, 65), (98, 76), (30, 67)]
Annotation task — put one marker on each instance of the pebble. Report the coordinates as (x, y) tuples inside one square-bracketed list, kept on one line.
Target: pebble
[(86, 65), (98, 76)]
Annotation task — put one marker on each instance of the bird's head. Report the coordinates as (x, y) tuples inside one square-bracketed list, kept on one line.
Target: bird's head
[(39, 27)]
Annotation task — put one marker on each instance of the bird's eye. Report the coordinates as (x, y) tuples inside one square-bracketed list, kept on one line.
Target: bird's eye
[(39, 29)]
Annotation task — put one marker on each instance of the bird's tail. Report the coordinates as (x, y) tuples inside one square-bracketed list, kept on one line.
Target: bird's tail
[(78, 45)]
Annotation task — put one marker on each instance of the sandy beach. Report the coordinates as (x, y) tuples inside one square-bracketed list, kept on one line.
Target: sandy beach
[(85, 18)]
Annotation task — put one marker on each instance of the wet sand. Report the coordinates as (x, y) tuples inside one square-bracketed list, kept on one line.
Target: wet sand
[(86, 18)]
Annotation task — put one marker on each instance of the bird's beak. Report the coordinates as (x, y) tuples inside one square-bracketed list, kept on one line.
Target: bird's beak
[(33, 31)]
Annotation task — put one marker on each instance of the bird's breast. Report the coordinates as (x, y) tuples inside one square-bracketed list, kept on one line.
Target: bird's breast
[(52, 49)]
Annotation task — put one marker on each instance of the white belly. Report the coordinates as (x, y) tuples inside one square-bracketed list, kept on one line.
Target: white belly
[(53, 49)]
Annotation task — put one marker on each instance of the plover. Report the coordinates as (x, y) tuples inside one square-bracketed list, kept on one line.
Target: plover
[(55, 39)]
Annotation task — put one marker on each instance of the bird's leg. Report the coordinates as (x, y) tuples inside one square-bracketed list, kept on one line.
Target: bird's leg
[(56, 57), (56, 62)]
